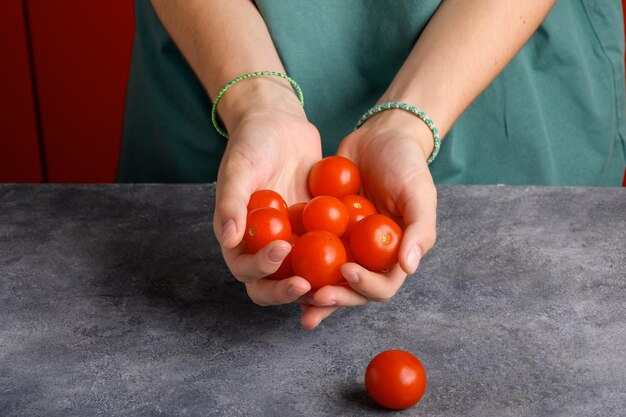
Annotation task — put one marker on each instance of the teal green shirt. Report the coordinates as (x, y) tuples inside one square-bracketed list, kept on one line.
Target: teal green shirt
[(554, 116)]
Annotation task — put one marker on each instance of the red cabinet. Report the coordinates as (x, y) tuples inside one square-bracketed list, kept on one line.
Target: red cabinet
[(63, 82), (20, 157), (81, 52)]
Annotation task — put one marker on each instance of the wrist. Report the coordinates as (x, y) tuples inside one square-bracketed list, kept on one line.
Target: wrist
[(257, 95), (403, 123)]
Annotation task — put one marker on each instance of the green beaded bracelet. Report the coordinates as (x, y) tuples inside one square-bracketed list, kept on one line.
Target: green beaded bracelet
[(411, 109), (243, 77)]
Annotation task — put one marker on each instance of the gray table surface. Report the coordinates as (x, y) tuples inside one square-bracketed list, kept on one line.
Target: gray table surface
[(114, 300)]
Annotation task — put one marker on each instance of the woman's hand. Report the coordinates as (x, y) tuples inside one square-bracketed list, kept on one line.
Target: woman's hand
[(390, 151), (271, 146), (462, 49)]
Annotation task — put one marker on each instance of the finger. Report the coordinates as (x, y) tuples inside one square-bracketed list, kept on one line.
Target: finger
[(372, 285), (232, 194), (312, 316), (336, 295), (418, 205), (265, 292), (249, 267)]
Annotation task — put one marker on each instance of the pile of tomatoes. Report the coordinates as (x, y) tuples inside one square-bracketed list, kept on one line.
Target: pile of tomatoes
[(336, 226)]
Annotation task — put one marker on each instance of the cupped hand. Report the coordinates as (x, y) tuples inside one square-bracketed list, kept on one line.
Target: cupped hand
[(390, 150), (266, 150)]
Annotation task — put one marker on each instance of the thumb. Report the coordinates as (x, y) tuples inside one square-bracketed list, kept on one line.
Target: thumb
[(231, 200), (419, 212)]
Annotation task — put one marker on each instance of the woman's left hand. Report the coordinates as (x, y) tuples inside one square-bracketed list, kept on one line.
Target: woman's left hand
[(390, 150)]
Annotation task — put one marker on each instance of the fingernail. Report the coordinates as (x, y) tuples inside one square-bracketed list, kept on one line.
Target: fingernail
[(229, 230), (352, 277), (413, 258), (277, 254), (330, 303), (309, 300), (294, 292)]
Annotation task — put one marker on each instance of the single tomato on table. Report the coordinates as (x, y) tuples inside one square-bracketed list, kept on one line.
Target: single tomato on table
[(395, 379), (264, 225)]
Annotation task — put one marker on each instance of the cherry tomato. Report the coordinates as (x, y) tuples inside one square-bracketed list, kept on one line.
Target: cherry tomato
[(336, 176), (346, 245), (358, 208), (395, 379), (285, 270), (267, 198), (325, 213), (295, 217), (375, 242), (264, 225), (317, 257)]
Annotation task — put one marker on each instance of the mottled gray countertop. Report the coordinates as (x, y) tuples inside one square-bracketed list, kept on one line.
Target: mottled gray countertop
[(114, 300)]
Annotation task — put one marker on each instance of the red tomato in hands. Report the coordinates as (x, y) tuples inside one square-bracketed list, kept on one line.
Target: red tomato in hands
[(285, 270), (346, 245), (267, 198), (375, 242), (325, 213), (317, 257), (264, 225), (395, 379), (295, 218), (335, 176), (358, 208)]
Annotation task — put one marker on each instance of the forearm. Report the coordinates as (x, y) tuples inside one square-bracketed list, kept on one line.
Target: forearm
[(463, 48), (222, 39)]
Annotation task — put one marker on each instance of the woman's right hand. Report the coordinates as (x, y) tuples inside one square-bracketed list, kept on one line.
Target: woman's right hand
[(271, 146)]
